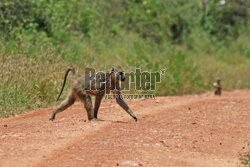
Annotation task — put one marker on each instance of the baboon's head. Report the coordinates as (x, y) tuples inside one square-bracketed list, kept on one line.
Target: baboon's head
[(218, 80), (117, 73)]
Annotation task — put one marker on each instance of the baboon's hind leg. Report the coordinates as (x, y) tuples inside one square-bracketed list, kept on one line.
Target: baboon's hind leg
[(98, 100), (64, 105), (86, 99)]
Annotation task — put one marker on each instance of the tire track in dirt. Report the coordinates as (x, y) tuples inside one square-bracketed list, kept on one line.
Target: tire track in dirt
[(193, 130)]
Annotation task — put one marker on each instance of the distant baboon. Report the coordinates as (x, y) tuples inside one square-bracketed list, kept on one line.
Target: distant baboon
[(218, 87), (82, 88)]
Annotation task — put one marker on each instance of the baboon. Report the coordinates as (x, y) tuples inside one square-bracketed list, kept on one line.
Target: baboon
[(84, 87), (218, 87)]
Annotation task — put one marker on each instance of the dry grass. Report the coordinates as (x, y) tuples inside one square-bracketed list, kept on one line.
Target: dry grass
[(28, 83)]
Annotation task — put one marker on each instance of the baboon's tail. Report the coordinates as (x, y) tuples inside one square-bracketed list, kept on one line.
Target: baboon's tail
[(65, 78)]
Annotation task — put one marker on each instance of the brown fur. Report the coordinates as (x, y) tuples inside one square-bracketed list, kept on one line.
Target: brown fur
[(82, 91), (218, 87)]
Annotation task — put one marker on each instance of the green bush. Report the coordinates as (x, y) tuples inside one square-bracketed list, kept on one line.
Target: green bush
[(15, 13), (223, 18), (160, 20)]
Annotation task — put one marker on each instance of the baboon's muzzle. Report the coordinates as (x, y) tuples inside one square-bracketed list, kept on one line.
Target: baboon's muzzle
[(123, 78)]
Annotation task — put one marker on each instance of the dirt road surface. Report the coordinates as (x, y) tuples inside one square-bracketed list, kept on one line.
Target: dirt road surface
[(194, 130)]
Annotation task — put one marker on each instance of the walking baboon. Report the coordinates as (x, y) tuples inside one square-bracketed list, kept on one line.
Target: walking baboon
[(82, 88), (218, 87)]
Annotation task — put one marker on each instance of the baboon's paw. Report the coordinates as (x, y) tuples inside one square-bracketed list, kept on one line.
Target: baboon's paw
[(52, 119), (97, 119)]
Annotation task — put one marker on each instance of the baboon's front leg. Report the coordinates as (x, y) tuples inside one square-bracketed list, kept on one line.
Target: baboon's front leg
[(98, 100), (64, 105), (122, 103)]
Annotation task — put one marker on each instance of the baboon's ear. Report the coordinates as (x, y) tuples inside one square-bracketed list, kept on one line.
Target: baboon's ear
[(112, 69)]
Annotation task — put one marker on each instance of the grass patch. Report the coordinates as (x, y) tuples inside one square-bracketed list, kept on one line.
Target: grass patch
[(194, 45), (32, 75), (245, 159)]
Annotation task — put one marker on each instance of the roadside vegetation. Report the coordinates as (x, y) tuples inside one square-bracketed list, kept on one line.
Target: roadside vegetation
[(245, 159), (194, 41)]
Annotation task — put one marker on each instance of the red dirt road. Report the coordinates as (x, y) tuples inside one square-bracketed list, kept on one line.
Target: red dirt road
[(193, 130)]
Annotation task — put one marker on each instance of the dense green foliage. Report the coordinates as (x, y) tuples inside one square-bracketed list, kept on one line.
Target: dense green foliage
[(194, 41)]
